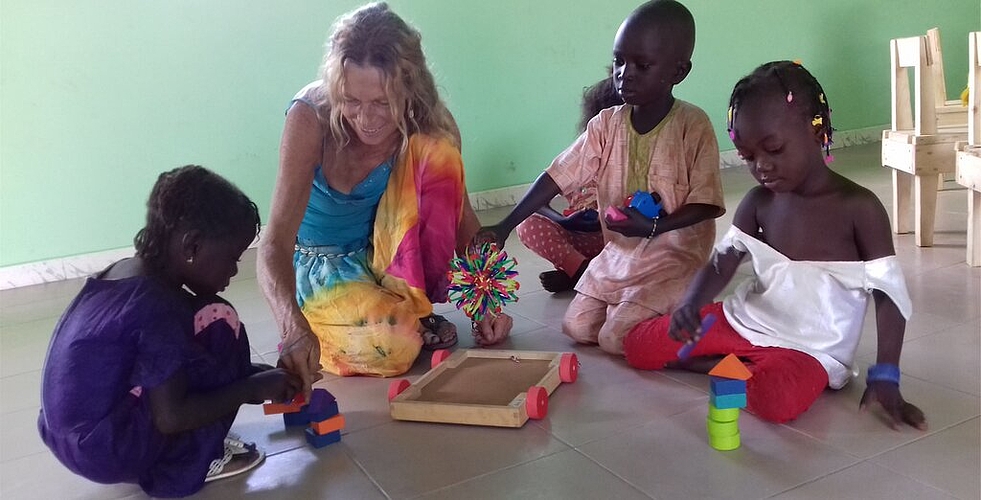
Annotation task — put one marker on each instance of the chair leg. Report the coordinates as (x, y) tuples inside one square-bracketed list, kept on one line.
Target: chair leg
[(925, 208), (973, 227), (902, 206)]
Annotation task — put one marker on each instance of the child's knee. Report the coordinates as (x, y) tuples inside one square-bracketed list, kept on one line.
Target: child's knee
[(579, 331), (781, 394), (646, 345)]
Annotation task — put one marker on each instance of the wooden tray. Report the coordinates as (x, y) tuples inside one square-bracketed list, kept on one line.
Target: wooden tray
[(483, 387)]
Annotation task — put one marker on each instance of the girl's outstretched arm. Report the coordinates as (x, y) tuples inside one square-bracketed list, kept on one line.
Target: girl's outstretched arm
[(175, 409), (891, 326), (539, 195), (713, 278), (873, 238)]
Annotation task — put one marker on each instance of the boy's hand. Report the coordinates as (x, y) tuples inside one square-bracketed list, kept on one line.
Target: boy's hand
[(276, 385), (886, 394), (583, 221), (635, 225), (490, 234), (685, 323)]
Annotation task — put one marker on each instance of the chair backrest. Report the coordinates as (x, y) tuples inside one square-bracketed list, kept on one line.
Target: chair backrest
[(974, 88), (935, 54), (907, 112)]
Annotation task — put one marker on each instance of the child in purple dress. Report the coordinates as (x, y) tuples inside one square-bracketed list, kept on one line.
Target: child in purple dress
[(147, 367)]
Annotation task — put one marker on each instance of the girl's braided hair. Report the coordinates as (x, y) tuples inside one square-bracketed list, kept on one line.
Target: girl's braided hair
[(800, 89), (193, 198)]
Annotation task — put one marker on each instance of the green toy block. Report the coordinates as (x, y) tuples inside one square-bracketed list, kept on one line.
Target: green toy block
[(721, 429), (724, 443), (723, 414)]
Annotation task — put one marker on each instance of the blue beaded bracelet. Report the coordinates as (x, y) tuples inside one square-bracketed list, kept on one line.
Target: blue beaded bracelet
[(883, 372)]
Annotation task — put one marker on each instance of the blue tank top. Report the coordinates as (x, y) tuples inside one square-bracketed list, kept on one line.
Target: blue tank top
[(343, 220)]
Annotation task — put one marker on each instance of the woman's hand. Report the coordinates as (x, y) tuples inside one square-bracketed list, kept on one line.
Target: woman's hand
[(492, 329), (300, 354), (635, 225), (886, 394), (583, 221)]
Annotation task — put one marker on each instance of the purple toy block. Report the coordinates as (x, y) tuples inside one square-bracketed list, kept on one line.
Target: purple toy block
[(319, 400), (329, 410), (318, 441), (301, 417), (686, 349)]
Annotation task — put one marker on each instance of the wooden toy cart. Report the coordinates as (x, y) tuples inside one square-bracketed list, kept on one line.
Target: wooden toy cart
[(483, 387)]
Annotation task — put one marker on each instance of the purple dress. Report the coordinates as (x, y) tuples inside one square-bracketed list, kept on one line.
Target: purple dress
[(117, 340)]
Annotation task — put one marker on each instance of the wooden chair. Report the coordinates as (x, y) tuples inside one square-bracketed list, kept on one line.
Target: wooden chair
[(950, 112), (917, 147), (969, 153)]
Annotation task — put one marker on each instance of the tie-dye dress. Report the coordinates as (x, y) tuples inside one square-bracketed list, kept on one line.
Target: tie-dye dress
[(370, 263)]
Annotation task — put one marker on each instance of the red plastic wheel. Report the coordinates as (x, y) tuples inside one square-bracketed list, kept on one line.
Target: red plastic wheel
[(536, 403), (396, 388), (569, 367), (438, 356)]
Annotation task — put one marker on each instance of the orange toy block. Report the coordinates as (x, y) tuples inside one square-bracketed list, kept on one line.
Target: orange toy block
[(327, 426), (731, 367), (276, 408)]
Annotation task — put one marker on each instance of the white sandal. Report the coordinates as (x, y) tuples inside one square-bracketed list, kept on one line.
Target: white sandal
[(237, 458)]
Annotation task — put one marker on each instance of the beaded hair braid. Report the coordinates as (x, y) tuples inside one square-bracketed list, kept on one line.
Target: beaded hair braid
[(193, 197), (799, 87)]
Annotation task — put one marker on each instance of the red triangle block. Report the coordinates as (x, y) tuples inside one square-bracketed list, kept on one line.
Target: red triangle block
[(731, 367)]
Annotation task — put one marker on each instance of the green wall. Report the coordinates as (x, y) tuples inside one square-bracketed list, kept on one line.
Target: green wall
[(98, 97)]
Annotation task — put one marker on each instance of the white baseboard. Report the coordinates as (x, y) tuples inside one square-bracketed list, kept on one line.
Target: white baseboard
[(35, 273)]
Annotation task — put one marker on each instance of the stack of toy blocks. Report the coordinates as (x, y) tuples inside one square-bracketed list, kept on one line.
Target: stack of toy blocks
[(321, 414), (727, 394)]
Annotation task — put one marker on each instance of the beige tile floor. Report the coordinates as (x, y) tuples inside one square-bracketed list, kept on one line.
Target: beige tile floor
[(616, 433)]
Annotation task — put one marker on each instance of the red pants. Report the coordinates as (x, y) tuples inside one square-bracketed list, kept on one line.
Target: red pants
[(784, 384), (566, 250)]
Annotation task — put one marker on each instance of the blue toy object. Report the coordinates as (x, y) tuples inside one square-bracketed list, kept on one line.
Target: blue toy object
[(644, 203), (725, 386), (728, 401), (686, 349), (319, 441)]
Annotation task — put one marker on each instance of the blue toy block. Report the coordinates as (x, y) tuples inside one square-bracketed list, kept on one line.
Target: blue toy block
[(301, 417), (724, 386), (728, 400), (319, 400), (318, 441), (645, 204), (328, 410)]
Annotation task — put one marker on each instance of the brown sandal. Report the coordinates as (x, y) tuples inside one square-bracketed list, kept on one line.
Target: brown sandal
[(433, 323)]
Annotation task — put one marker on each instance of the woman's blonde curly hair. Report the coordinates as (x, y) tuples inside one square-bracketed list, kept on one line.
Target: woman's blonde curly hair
[(375, 36)]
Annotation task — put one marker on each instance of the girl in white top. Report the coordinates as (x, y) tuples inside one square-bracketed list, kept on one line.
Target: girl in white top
[(820, 246)]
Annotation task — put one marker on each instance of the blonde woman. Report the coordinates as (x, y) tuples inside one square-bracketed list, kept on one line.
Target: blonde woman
[(367, 208)]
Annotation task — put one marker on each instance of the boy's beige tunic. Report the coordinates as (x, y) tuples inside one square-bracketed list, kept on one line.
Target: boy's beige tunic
[(684, 169)]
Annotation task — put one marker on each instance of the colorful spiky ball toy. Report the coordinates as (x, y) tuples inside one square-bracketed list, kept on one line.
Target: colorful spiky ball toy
[(483, 281)]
